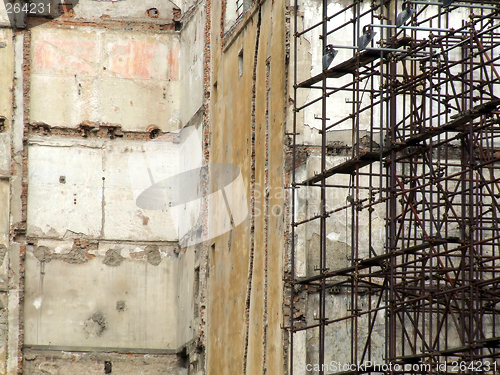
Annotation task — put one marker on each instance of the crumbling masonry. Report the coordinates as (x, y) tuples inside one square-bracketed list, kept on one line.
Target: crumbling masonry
[(184, 190)]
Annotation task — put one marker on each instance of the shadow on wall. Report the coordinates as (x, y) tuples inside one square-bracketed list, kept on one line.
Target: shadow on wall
[(183, 193)]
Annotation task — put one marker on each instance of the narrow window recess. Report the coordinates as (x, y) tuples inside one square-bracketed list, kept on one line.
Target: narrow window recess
[(240, 63)]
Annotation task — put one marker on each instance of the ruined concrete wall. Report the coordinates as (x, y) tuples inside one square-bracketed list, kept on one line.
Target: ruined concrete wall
[(247, 114), (93, 89), (79, 190), (84, 73), (83, 268)]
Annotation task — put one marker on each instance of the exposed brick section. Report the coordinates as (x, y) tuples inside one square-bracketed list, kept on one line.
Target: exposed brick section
[(100, 130), (104, 23), (66, 10), (287, 161), (18, 230), (223, 7), (204, 248), (177, 14)]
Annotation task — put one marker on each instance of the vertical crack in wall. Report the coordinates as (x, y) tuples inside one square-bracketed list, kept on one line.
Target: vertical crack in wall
[(252, 189), (24, 193), (223, 7), (204, 248), (266, 211), (103, 195), (287, 172), (14, 166)]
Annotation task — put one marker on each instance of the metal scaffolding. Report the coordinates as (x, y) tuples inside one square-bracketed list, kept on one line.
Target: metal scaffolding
[(423, 164)]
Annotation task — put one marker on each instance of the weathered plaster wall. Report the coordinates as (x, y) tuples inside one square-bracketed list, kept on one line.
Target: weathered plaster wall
[(105, 76), (131, 305), (90, 183), (247, 112), (148, 12), (125, 11), (82, 266), (80, 189), (84, 227)]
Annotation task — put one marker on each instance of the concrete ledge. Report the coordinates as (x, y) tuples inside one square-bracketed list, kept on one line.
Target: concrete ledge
[(103, 349)]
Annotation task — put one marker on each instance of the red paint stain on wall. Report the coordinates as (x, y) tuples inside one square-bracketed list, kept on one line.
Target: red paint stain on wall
[(144, 60), (129, 59), (65, 56), (173, 62)]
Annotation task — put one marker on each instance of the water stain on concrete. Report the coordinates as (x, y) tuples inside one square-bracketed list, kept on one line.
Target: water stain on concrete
[(153, 255), (121, 306), (113, 258), (76, 256), (42, 253), (95, 325)]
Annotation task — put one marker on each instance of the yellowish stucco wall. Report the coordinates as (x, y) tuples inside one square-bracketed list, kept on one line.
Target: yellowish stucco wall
[(245, 279)]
